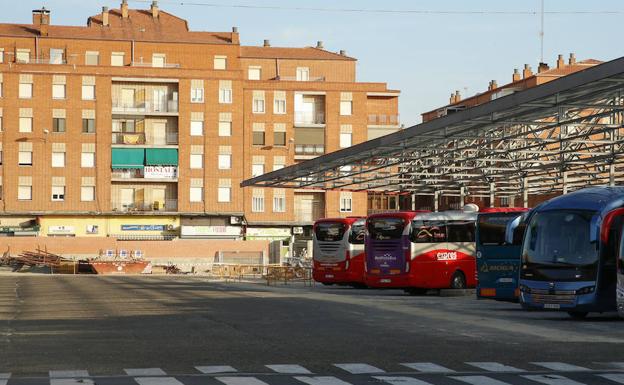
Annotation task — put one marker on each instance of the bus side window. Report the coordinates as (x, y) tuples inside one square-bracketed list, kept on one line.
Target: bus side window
[(461, 231), (428, 232), (612, 249), (621, 253), (518, 234)]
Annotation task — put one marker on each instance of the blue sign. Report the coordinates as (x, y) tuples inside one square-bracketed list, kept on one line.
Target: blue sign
[(143, 227)]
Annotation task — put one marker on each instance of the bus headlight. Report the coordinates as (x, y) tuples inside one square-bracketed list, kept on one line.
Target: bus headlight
[(524, 289), (586, 290)]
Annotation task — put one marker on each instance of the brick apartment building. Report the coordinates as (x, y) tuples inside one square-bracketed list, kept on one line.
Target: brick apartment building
[(136, 127)]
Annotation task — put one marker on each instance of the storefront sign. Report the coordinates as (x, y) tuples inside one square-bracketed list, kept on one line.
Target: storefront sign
[(160, 172), (210, 231), (60, 229), (143, 227), (268, 232), (93, 229)]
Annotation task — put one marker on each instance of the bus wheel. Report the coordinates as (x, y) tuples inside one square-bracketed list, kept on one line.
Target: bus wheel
[(415, 291), (327, 283), (578, 314), (458, 280)]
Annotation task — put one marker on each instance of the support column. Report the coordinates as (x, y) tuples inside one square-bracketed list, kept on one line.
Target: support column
[(492, 196), (436, 201), (413, 202), (462, 197), (564, 177), (525, 192), (612, 174)]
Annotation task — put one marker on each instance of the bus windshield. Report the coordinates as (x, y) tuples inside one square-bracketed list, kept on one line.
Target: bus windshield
[(560, 238), (330, 231), (356, 237), (385, 228)]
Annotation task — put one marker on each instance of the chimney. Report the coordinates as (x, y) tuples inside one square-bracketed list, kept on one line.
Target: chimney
[(527, 71), (456, 97), (572, 59), (516, 75), (452, 98), (234, 29), (235, 36), (41, 18), (542, 67), (560, 61), (124, 9), (154, 9), (493, 85), (105, 21), (319, 45), (343, 52), (267, 43)]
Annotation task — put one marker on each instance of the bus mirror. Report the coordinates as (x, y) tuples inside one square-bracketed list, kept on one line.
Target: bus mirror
[(594, 228), (510, 229)]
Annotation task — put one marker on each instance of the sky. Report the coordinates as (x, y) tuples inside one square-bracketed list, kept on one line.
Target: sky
[(426, 55)]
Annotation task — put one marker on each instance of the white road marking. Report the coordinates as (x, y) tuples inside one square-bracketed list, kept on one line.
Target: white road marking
[(145, 372), (68, 373), (241, 381), (71, 381), (552, 379), (494, 367), (289, 369), (4, 378), (615, 377), (617, 365), (401, 380), (561, 366), (359, 368), (427, 367), (157, 381), (216, 369), (4, 381), (322, 380), (480, 380)]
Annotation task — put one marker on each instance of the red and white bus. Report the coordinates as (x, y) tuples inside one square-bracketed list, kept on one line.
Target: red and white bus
[(428, 251), (338, 251)]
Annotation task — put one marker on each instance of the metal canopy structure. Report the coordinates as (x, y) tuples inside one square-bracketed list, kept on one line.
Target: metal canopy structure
[(552, 138)]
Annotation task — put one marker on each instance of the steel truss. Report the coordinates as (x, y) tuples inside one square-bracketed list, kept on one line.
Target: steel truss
[(553, 138)]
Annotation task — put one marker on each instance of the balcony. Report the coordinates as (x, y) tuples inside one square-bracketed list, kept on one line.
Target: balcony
[(296, 79), (167, 108), (151, 65), (138, 139), (146, 174), (383, 120), (168, 205), (308, 151), (309, 118)]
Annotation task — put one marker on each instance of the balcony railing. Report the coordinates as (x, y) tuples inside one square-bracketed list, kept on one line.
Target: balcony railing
[(138, 138), (170, 174), (383, 120), (170, 106), (128, 207), (306, 117), (309, 149), (148, 64), (295, 79)]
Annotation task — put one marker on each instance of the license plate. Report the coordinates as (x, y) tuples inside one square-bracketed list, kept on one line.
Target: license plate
[(505, 280), (385, 280), (329, 276), (552, 306)]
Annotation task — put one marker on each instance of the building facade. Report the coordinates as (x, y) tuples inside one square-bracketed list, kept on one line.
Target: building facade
[(135, 127)]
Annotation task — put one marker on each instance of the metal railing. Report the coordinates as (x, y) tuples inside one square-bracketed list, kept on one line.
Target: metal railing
[(149, 64), (48, 60), (295, 79), (306, 117), (383, 120), (309, 149), (139, 138), (145, 107), (128, 207)]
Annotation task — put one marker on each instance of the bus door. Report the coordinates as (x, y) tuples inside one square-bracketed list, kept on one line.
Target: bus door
[(460, 258), (428, 245), (608, 272)]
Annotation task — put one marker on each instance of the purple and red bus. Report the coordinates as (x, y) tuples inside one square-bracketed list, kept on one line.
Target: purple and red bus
[(338, 251)]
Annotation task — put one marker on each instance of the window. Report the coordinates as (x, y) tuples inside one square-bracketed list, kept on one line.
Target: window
[(225, 95), (225, 128), (58, 193), (22, 56), (92, 58), (56, 56), (88, 125), (345, 203), (254, 73), (24, 193), (460, 231), (224, 194), (88, 92), (258, 138), (303, 74), (87, 193), (87, 160), (58, 91), (58, 159), (25, 90), (257, 204), (58, 124), (257, 170), (345, 140), (158, 60), (279, 204), (279, 106), (117, 59), (25, 158), (197, 95), (225, 161), (258, 104), (220, 62), (278, 166), (428, 231), (197, 194), (25, 124), (346, 107), (197, 128), (279, 138), (197, 160), (2, 55)]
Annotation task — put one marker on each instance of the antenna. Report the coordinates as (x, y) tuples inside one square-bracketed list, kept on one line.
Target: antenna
[(541, 33)]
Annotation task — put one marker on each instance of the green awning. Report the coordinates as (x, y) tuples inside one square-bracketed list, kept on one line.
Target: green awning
[(128, 157), (161, 157)]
